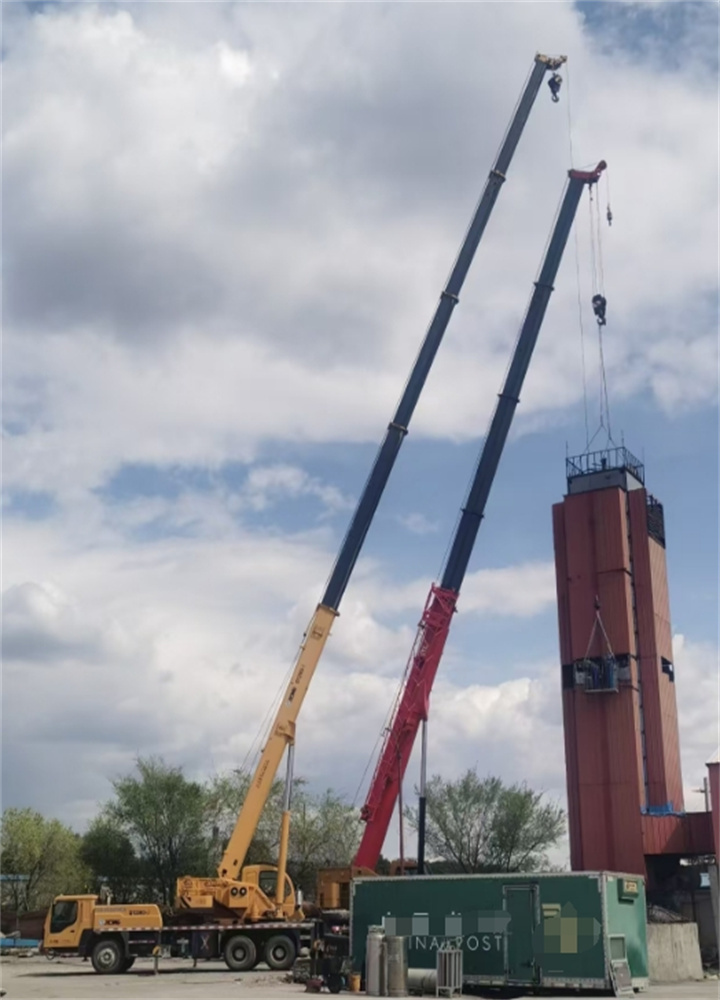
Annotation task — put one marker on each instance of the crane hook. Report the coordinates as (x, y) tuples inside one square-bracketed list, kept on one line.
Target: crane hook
[(554, 83), (609, 216), (599, 304)]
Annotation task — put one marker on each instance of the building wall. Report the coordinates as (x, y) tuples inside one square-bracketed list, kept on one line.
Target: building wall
[(621, 747), (655, 643), (714, 780), (603, 746)]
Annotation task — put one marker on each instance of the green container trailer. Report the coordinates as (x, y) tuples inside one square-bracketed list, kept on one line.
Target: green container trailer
[(584, 930)]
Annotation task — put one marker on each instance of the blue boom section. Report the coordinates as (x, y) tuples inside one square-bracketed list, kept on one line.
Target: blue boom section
[(398, 426), (474, 509)]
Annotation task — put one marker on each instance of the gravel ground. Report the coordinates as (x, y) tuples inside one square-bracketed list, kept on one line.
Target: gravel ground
[(71, 978)]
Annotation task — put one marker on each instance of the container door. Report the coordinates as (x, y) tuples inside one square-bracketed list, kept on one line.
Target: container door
[(520, 903)]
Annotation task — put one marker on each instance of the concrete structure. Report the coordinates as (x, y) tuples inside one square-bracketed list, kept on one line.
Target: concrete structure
[(673, 953), (624, 780)]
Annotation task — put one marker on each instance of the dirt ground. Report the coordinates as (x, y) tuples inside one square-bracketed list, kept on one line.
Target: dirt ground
[(71, 978)]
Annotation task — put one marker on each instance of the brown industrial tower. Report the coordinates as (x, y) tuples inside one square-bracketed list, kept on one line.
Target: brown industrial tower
[(624, 782)]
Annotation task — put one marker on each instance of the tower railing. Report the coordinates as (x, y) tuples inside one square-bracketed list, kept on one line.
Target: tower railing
[(600, 461)]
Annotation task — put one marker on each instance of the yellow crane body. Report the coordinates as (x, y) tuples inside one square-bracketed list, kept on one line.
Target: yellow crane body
[(234, 888)]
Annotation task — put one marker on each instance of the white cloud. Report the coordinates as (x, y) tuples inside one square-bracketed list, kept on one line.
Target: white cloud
[(266, 484), (524, 590), (697, 677), (418, 524), (233, 241), (227, 226)]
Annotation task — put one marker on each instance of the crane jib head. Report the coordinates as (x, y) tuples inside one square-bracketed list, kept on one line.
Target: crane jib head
[(551, 62), (590, 176)]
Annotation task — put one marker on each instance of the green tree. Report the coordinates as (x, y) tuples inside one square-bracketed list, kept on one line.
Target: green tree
[(225, 796), (46, 853), (482, 825), (324, 830), (324, 833), (164, 816), (109, 854)]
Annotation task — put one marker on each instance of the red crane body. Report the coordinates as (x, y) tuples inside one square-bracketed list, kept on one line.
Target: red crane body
[(410, 709)]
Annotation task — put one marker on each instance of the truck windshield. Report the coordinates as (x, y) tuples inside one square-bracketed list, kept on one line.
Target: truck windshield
[(64, 914)]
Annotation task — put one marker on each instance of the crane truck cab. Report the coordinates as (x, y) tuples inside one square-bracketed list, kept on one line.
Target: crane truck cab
[(114, 936), (82, 925)]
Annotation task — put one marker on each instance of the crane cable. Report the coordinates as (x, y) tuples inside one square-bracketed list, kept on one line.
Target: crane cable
[(577, 274), (599, 288), (599, 303), (262, 734)]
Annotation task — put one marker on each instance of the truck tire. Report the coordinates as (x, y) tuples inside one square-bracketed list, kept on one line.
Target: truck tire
[(129, 962), (240, 953), (107, 957), (280, 952)]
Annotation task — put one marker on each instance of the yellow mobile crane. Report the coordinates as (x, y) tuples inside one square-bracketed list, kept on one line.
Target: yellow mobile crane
[(245, 891)]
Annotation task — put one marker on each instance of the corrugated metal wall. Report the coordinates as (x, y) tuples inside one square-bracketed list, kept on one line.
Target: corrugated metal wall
[(714, 779), (603, 747), (689, 834), (655, 641), (622, 748)]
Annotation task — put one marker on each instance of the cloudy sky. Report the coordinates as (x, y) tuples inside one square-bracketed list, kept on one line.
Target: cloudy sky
[(225, 230)]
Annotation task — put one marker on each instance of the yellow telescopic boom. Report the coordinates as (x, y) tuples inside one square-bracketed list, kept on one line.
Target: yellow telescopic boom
[(283, 734)]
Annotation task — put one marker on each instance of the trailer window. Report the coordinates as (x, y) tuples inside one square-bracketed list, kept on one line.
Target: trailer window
[(64, 914), (617, 948)]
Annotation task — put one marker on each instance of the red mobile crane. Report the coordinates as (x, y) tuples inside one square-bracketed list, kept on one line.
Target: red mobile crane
[(411, 706)]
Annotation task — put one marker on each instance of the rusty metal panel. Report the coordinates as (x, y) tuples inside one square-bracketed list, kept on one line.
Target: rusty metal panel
[(699, 832), (648, 658), (642, 576), (561, 581), (596, 554), (602, 741), (666, 687), (659, 581), (571, 778), (714, 780), (608, 782), (611, 532), (582, 584), (615, 596), (655, 640), (690, 833)]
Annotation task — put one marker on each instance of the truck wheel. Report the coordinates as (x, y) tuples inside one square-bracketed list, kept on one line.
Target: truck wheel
[(128, 964), (240, 953), (280, 952), (107, 957)]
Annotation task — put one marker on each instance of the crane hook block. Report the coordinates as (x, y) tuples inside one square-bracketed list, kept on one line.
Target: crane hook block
[(554, 83), (599, 304), (609, 216)]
